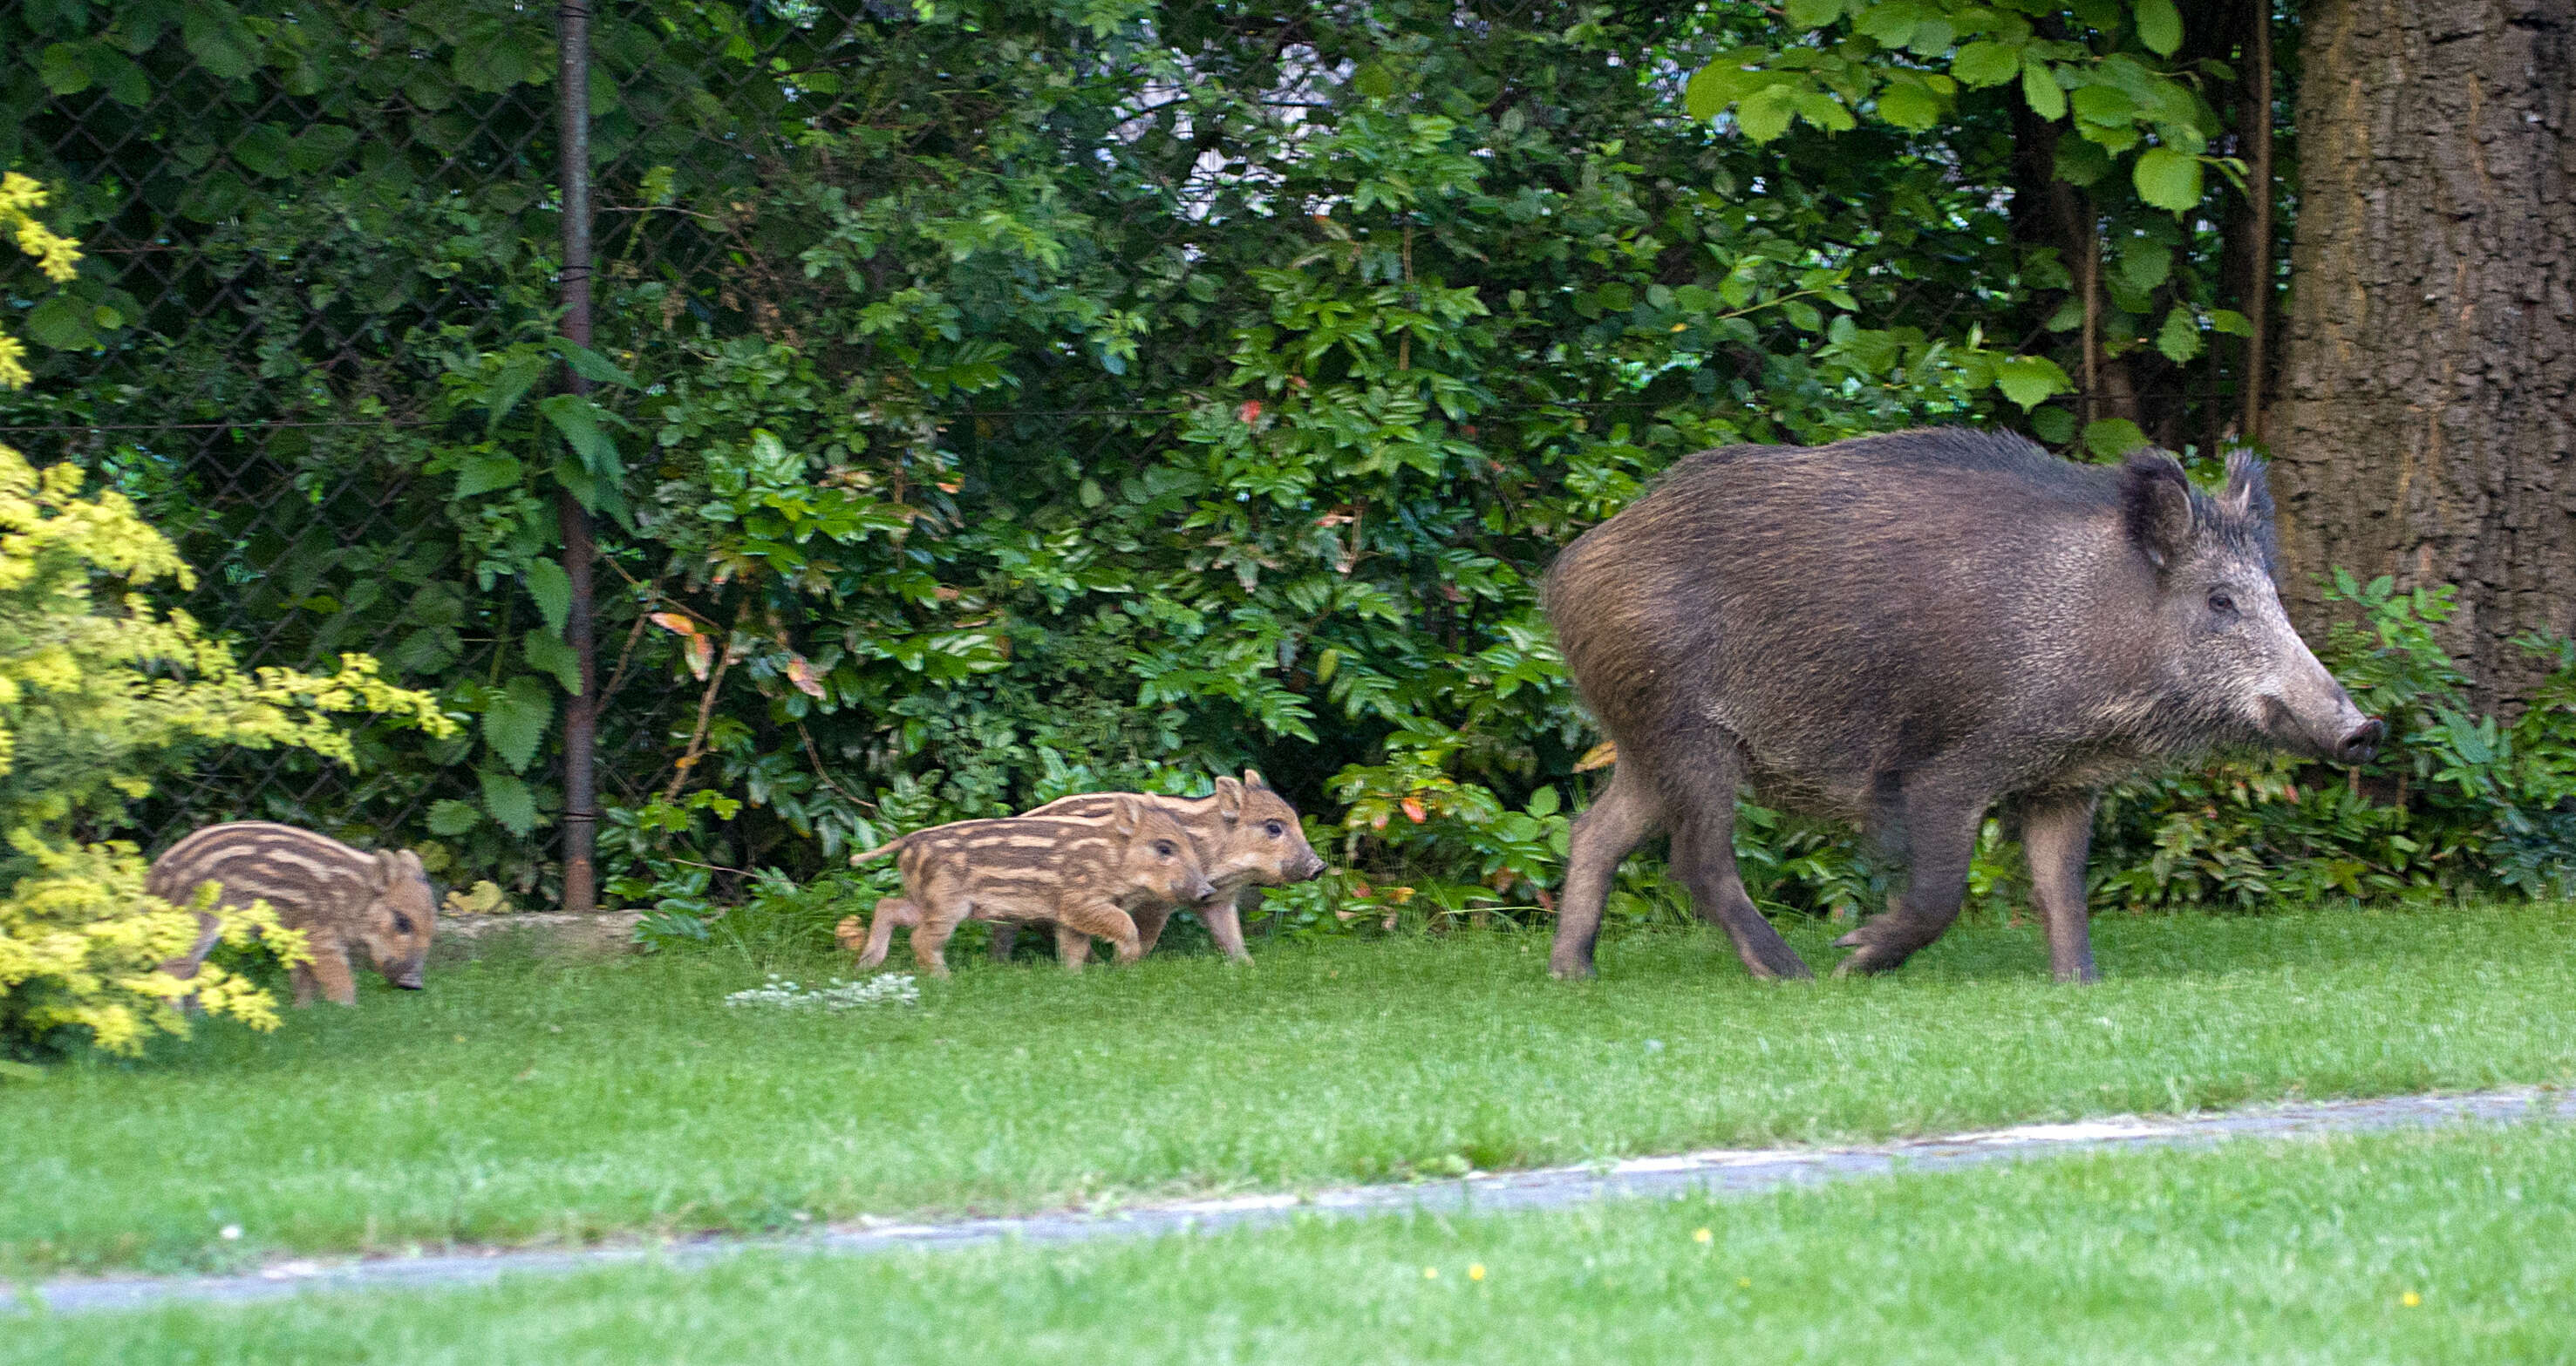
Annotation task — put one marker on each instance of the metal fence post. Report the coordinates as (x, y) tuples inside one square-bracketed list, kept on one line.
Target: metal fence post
[(581, 715)]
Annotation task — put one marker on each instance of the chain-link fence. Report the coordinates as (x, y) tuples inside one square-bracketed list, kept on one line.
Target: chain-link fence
[(302, 222)]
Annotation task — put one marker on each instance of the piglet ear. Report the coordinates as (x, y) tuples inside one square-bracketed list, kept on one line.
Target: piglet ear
[(1252, 778), (2249, 492), (1126, 814), (1229, 798), (389, 866), (2156, 499)]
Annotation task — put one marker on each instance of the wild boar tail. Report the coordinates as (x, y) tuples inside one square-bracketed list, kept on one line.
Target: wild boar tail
[(890, 846)]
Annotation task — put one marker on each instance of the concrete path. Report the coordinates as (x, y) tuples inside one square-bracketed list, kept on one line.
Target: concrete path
[(1719, 1171)]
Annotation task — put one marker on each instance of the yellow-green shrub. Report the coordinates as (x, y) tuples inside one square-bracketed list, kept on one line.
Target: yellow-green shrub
[(100, 694)]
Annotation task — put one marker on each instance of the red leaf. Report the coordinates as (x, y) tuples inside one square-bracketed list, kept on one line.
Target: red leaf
[(673, 621), (1413, 808), (801, 673), (1250, 410), (702, 655)]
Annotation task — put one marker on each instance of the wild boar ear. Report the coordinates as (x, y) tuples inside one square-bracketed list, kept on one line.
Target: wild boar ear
[(1127, 815), (2156, 499), (2249, 491), (1252, 778), (389, 867), (1229, 798)]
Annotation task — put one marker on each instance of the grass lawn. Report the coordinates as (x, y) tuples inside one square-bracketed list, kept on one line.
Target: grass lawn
[(2454, 1246), (519, 1101)]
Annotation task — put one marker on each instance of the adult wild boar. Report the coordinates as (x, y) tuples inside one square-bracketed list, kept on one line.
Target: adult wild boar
[(1904, 630)]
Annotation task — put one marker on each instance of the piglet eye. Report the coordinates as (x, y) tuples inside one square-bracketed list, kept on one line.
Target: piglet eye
[(1276, 829), (402, 923), (2222, 604), (1163, 847)]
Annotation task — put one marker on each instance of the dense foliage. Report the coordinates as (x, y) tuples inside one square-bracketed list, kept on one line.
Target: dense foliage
[(99, 696), (1000, 399)]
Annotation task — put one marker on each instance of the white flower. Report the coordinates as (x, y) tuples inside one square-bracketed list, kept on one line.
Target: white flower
[(888, 988)]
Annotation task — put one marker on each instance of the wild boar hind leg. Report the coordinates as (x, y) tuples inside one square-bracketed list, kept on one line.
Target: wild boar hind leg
[(1942, 815), (940, 917), (1620, 819)]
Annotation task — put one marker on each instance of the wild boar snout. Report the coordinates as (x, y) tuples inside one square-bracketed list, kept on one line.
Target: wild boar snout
[(408, 978), (2362, 744), (2310, 711)]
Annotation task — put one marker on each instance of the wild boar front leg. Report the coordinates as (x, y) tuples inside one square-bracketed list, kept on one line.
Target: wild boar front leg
[(328, 972), (1004, 936), (2056, 835), (1149, 924), (1223, 915), (1087, 918), (1072, 948)]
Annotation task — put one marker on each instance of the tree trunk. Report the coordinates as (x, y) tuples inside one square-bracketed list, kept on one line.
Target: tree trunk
[(2423, 422)]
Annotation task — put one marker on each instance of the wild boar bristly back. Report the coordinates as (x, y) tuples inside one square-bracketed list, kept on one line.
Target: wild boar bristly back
[(291, 869)]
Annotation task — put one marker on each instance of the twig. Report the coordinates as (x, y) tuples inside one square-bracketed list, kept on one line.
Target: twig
[(706, 714), (817, 757)]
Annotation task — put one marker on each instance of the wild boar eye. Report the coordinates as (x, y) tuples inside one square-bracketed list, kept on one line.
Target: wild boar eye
[(2222, 604), (402, 923), (1276, 829), (1164, 848)]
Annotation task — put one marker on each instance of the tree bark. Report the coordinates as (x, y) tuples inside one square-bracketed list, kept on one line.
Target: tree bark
[(2422, 428)]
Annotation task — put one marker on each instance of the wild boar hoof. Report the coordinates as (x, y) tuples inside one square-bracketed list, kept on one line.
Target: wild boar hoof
[(1572, 972), (1869, 961)]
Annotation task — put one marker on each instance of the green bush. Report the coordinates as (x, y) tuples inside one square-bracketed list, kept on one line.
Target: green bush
[(100, 696)]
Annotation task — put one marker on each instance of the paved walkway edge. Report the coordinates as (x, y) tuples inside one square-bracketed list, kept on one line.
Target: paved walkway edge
[(1718, 1171)]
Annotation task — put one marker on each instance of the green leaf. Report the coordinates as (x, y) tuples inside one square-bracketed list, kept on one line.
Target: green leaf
[(552, 588), (2168, 179), (514, 723), (61, 323), (1908, 106), (1814, 13), (547, 650), (484, 473), (216, 38), (450, 817), (510, 384), (510, 802), (589, 364), (2029, 380), (64, 69), (1711, 89), (2053, 424), (323, 145), (2231, 322), (2113, 437), (1765, 114), (2179, 338), (265, 150), (1825, 111), (2144, 264), (573, 416), (1987, 63), (2039, 87), (2081, 162), (2160, 26)]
